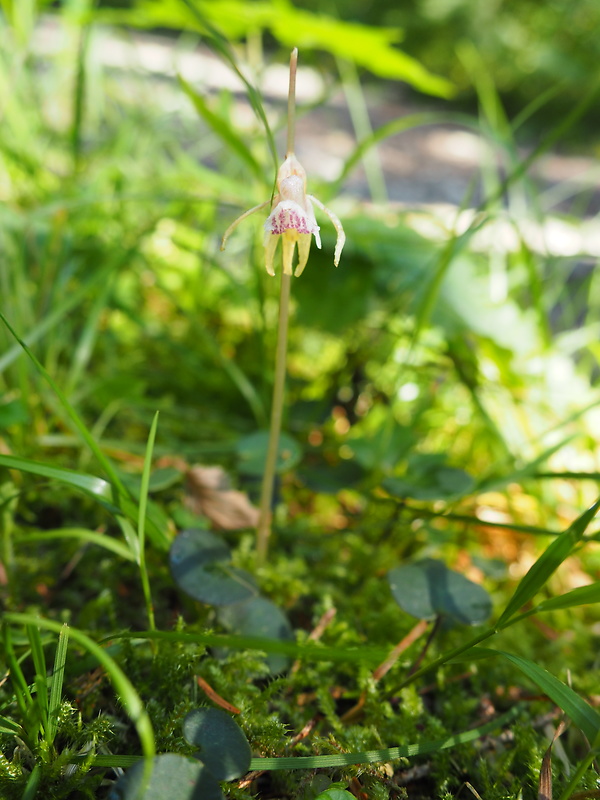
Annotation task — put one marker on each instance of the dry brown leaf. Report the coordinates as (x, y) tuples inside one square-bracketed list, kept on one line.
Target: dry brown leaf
[(209, 493), (545, 787)]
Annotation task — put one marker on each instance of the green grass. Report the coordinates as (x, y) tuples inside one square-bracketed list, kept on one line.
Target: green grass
[(441, 403)]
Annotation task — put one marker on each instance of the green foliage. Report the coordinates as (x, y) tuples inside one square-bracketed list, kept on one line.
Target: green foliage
[(200, 566), (437, 427), (428, 589), (224, 749)]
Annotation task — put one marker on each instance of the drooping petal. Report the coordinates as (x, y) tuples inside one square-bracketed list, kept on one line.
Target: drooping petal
[(303, 251), (288, 241), (311, 214), (236, 222), (270, 247), (341, 236)]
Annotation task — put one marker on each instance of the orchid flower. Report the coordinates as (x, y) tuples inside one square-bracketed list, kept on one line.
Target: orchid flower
[(292, 219)]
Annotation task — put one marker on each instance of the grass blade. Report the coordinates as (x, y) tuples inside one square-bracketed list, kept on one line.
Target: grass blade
[(40, 698), (388, 754), (547, 564), (11, 727), (583, 715), (58, 674), (72, 414), (223, 130), (215, 39), (84, 536), (366, 654), (32, 784), (97, 487), (20, 686), (392, 128), (346, 759), (582, 596), (143, 503), (129, 697)]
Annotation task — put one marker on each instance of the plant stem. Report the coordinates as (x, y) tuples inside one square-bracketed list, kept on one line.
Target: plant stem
[(263, 530), (291, 110)]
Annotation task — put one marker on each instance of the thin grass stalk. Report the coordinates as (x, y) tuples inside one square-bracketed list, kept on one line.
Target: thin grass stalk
[(143, 505), (263, 530)]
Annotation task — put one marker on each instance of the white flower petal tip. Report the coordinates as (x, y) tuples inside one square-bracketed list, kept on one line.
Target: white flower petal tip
[(292, 219), (339, 229)]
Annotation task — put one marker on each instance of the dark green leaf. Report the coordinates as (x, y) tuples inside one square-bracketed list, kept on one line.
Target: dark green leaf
[(174, 777), (223, 748), (259, 617), (428, 589), (201, 566)]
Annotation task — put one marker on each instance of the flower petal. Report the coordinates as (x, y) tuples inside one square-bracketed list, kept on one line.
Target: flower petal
[(303, 252), (236, 222), (270, 246), (341, 236), (289, 244), (289, 215)]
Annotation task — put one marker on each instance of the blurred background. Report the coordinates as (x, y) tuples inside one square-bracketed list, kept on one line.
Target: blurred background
[(455, 139)]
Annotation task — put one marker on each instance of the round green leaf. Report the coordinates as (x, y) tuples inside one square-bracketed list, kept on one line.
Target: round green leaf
[(259, 617), (200, 564), (252, 453), (428, 589), (174, 777), (224, 749), (335, 794)]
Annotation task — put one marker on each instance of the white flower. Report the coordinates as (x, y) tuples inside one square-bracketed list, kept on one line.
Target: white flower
[(292, 219)]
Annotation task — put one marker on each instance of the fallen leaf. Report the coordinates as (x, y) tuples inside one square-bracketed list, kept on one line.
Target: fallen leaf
[(209, 493)]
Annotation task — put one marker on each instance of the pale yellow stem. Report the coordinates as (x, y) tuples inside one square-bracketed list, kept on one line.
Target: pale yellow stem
[(263, 530)]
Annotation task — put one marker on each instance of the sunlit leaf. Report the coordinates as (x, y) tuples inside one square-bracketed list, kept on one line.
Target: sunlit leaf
[(560, 549), (583, 595)]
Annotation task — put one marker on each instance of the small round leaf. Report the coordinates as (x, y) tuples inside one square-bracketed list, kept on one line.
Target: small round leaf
[(259, 617), (174, 777), (428, 588), (335, 794), (224, 749), (201, 566)]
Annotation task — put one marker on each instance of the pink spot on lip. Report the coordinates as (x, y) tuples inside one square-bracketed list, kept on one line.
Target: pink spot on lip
[(287, 220), (289, 216)]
